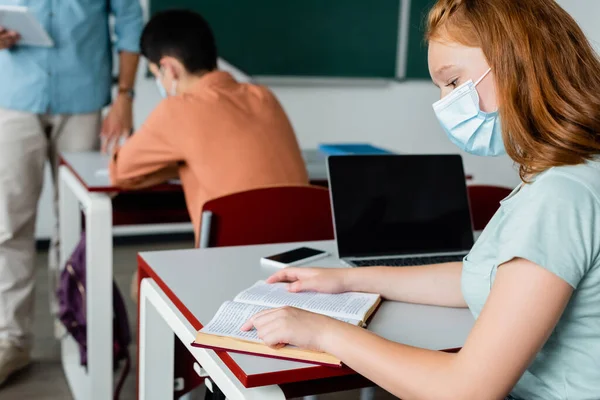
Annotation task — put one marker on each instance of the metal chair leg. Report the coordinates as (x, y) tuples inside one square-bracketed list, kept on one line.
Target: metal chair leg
[(367, 393), (212, 391)]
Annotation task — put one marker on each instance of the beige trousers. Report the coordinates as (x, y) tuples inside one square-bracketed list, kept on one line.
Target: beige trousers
[(27, 141)]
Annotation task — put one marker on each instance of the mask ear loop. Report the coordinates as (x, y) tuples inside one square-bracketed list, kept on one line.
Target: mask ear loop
[(483, 77), (173, 91), (480, 79)]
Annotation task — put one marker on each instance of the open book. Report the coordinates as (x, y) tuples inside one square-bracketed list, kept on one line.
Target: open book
[(223, 331)]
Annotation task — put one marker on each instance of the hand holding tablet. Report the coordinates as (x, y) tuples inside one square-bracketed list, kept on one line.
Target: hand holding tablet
[(19, 26), (8, 38)]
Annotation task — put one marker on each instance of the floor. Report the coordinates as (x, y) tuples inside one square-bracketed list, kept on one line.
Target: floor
[(44, 380)]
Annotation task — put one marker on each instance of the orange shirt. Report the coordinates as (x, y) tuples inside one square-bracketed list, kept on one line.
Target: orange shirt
[(225, 136)]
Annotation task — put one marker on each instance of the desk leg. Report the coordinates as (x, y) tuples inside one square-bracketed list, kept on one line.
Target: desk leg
[(99, 296), (95, 383), (167, 315), (69, 217), (156, 352)]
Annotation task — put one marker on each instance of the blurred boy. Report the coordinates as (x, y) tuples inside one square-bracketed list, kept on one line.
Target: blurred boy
[(217, 135)]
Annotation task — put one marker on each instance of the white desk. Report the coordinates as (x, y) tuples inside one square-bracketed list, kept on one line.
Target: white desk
[(91, 168), (82, 188), (186, 288)]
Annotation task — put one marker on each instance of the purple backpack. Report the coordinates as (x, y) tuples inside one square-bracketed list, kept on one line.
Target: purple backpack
[(72, 313)]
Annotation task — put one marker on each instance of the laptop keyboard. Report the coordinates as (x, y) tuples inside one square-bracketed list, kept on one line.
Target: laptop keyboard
[(407, 261)]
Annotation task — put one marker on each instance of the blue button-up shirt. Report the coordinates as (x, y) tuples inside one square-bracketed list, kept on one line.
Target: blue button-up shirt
[(74, 76)]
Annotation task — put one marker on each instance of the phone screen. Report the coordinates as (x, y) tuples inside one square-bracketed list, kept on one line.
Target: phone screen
[(295, 255)]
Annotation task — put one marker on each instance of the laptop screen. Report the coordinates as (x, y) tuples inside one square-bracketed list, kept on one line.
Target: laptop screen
[(399, 204)]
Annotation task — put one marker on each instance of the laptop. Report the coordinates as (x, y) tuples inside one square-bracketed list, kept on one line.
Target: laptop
[(400, 210)]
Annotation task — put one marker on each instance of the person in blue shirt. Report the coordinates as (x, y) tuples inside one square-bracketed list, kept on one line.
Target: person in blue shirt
[(51, 101), (516, 77)]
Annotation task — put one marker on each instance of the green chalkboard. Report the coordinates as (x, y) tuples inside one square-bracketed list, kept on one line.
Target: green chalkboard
[(305, 38), (316, 38), (416, 60)]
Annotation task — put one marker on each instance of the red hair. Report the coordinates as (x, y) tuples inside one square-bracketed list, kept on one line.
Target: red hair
[(547, 76)]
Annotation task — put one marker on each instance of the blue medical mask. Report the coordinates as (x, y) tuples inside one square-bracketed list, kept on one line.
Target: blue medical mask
[(161, 88), (469, 128)]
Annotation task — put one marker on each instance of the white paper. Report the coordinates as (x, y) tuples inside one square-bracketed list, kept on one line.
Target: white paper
[(229, 320), (20, 20), (353, 306), (232, 316)]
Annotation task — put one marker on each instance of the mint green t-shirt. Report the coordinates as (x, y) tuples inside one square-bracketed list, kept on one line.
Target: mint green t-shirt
[(553, 222)]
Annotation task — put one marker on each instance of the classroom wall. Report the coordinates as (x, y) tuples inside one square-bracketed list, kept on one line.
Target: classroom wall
[(397, 116)]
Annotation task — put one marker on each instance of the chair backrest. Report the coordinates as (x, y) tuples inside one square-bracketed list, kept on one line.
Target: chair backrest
[(267, 215), (485, 201)]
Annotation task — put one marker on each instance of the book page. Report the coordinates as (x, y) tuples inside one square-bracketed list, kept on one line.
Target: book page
[(229, 320), (232, 315), (350, 305)]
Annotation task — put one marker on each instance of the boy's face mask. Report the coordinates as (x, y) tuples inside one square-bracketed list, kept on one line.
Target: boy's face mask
[(161, 87)]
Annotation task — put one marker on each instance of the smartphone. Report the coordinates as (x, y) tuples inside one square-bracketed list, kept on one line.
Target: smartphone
[(297, 256)]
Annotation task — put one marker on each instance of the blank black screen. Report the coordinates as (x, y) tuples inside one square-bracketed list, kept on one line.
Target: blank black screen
[(295, 255), (399, 204)]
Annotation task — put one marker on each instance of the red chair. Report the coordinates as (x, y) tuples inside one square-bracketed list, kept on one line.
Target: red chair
[(485, 201), (269, 215), (280, 214)]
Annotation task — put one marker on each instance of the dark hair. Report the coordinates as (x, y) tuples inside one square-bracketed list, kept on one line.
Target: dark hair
[(182, 34)]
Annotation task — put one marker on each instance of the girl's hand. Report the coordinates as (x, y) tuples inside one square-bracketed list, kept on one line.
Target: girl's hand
[(289, 325), (323, 280)]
